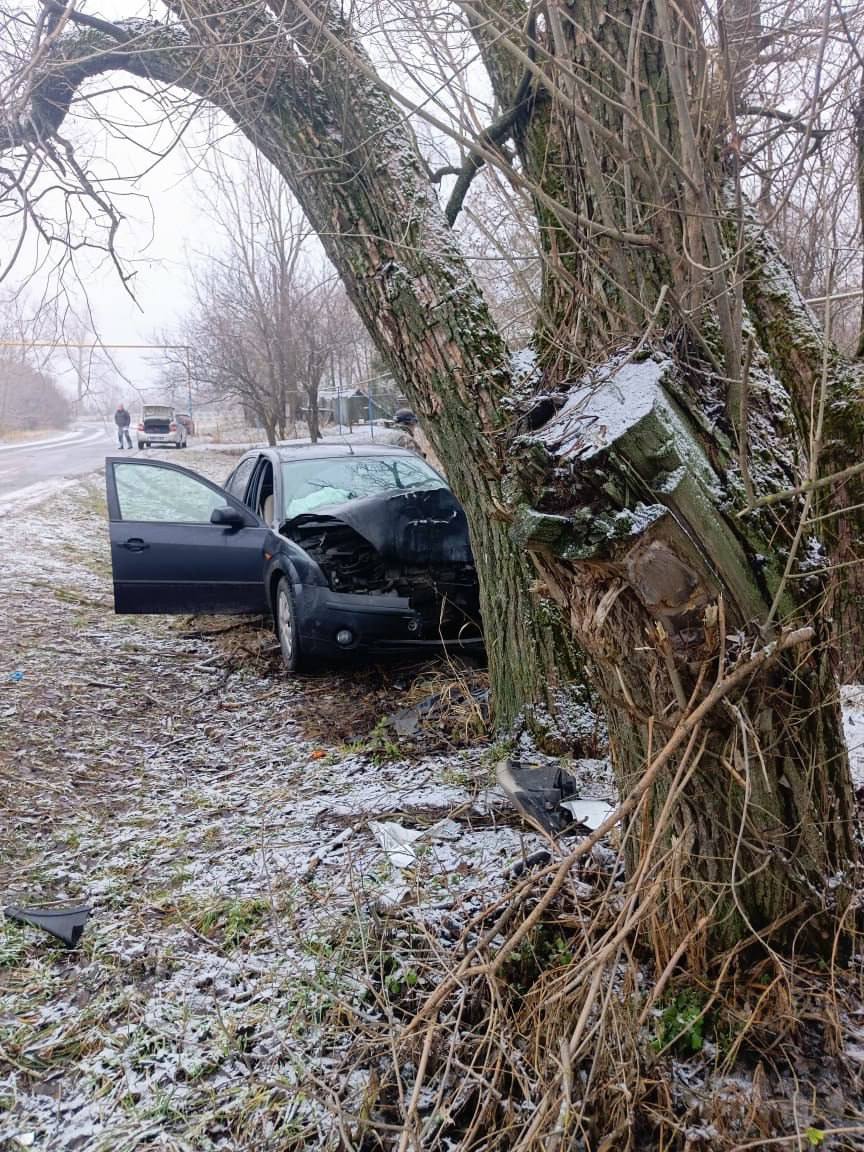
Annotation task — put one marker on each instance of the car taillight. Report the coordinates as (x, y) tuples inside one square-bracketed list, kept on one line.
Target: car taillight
[(140, 427), (172, 427)]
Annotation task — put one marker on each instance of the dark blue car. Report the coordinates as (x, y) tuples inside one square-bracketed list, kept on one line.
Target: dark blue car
[(351, 549)]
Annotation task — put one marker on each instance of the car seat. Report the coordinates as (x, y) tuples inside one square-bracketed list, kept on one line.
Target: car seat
[(267, 510)]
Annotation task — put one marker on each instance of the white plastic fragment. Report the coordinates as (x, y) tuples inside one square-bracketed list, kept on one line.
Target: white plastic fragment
[(591, 813), (397, 842), (446, 829)]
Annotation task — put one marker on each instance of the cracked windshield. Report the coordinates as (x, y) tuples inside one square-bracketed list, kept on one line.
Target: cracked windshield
[(314, 484)]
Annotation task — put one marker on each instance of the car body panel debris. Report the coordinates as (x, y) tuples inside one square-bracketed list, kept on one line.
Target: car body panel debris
[(67, 924), (547, 796)]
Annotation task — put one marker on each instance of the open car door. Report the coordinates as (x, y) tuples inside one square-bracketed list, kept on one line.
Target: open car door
[(181, 544)]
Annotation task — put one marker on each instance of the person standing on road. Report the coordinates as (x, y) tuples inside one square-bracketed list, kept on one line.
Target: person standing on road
[(122, 419)]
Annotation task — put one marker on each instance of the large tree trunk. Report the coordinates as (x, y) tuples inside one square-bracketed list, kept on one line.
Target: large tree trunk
[(808, 365), (637, 496), (670, 597)]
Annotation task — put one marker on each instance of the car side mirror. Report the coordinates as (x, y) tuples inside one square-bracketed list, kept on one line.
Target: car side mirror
[(228, 518)]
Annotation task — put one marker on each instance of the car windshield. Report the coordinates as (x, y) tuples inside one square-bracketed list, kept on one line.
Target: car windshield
[(311, 484)]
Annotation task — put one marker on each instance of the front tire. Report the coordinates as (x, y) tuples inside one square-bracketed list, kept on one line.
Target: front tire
[(286, 625)]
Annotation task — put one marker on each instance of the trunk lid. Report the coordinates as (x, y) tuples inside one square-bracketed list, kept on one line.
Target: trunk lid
[(157, 418)]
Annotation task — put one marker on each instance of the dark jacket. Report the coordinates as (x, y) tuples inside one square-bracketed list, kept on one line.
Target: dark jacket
[(122, 418)]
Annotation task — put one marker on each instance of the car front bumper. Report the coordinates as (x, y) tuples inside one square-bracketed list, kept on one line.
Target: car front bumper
[(378, 625)]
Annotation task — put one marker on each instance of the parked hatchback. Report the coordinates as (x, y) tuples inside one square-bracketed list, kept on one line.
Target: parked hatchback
[(159, 425), (351, 550)]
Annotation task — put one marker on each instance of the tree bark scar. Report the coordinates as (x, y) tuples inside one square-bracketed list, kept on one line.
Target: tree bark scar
[(668, 587)]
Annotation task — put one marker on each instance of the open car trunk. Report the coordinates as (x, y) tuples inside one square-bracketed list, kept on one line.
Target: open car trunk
[(157, 418), (412, 544)]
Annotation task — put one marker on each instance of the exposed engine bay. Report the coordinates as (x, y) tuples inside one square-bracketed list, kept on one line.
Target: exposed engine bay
[(412, 544)]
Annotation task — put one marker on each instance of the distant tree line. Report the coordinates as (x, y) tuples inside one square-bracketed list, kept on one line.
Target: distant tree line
[(30, 398)]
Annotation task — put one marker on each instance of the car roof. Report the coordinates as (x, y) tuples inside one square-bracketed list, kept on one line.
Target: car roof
[(333, 450)]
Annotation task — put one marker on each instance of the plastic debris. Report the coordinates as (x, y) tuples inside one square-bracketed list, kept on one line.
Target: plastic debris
[(15, 677), (409, 721), (445, 829), (589, 813), (406, 722), (66, 924), (546, 796), (541, 856), (397, 842)]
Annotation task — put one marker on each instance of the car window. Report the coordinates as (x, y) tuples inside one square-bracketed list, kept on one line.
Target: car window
[(240, 477), (160, 494), (311, 484)]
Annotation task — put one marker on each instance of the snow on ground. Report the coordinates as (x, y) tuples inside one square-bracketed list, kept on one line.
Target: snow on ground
[(160, 772), (853, 724), (248, 892)]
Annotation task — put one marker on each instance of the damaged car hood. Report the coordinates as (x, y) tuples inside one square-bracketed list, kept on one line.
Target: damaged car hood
[(422, 526)]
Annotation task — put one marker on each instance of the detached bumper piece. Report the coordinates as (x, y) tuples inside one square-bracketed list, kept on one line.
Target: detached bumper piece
[(548, 797), (65, 924)]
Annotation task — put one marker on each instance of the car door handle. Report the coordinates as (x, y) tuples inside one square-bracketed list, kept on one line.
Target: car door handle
[(135, 544)]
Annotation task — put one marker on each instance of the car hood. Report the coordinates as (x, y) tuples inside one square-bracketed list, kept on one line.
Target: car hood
[(420, 526)]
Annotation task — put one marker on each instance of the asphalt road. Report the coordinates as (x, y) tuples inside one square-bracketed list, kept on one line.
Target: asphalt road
[(78, 452)]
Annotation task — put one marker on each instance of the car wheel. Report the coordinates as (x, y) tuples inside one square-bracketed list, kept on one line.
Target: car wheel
[(140, 446), (286, 626)]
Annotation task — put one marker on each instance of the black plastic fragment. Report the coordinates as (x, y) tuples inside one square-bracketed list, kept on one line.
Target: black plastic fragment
[(536, 792), (66, 924)]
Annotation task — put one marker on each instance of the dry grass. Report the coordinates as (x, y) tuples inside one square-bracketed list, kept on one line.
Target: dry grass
[(450, 697), (540, 1032), (22, 435)]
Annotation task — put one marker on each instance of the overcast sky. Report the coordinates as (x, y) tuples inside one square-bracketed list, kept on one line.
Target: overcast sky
[(166, 226)]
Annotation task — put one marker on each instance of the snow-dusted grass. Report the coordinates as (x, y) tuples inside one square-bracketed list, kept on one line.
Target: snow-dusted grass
[(163, 776), (269, 967)]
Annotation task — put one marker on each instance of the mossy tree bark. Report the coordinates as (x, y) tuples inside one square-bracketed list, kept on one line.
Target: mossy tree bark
[(638, 496), (635, 509)]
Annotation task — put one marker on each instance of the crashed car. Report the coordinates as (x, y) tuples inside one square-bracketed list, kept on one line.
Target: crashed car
[(353, 550)]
